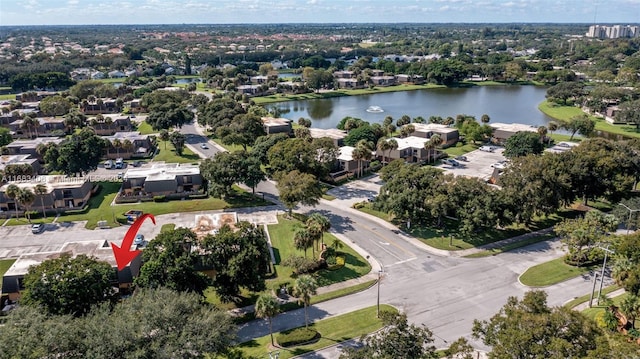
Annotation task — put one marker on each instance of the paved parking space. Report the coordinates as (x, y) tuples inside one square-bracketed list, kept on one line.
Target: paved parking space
[(478, 164), (357, 191)]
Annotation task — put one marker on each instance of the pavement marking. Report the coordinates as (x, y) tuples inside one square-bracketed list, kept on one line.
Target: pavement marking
[(386, 241), (400, 262)]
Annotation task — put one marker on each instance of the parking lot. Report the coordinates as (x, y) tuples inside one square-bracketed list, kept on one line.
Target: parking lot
[(478, 164)]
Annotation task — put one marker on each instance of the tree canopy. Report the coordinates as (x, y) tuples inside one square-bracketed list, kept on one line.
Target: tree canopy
[(79, 153), (68, 285), (523, 143)]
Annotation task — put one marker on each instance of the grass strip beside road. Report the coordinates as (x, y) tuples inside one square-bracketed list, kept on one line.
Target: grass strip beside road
[(585, 298), (167, 153), (551, 272), (511, 246), (333, 330)]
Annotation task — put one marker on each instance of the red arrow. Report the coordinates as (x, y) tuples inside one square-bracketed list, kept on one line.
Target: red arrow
[(124, 255)]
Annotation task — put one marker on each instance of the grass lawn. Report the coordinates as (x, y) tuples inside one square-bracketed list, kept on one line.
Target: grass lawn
[(511, 246), (585, 298), (167, 153), (4, 266), (458, 151), (593, 312), (333, 330), (145, 129), (9, 96), (551, 272), (566, 112), (282, 241)]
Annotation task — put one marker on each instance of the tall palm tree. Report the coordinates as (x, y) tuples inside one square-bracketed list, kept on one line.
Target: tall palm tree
[(267, 307), (437, 141), (383, 146), (117, 144), (164, 136), (302, 240), (553, 126), (542, 131), (362, 152), (26, 198), (429, 146), (12, 192), (41, 189), (392, 146), (631, 307), (305, 286), (127, 145), (318, 224)]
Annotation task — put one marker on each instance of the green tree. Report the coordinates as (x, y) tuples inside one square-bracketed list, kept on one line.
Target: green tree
[(5, 137), (40, 190), (239, 257), (68, 285), (222, 171), (169, 116), (303, 239), (523, 143), (581, 235), (362, 152), (12, 192), (177, 140), (164, 136), (295, 187), (581, 124), (564, 91), (397, 339), (267, 307), (169, 261), (318, 225), (530, 329), (304, 287), (55, 105), (26, 199), (630, 113), (244, 130), (79, 153)]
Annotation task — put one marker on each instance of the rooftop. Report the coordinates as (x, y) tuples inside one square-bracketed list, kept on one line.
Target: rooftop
[(6, 160), (52, 182), (346, 153), (513, 127), (410, 142), (99, 249), (272, 121), (332, 133), (433, 127), (131, 136), (34, 142), (160, 171)]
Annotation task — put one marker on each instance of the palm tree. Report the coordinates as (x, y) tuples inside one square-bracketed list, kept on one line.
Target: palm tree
[(362, 152), (429, 146), (318, 224), (40, 189), (12, 192), (117, 144), (302, 239), (164, 136), (127, 145), (553, 126), (485, 118), (383, 146), (267, 307), (392, 145), (631, 307), (437, 141), (26, 198), (303, 289), (542, 131)]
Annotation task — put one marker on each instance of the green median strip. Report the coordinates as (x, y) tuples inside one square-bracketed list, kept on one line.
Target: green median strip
[(333, 331), (551, 272), (511, 246)]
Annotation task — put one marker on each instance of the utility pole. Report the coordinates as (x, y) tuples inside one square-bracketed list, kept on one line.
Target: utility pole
[(378, 301), (631, 211)]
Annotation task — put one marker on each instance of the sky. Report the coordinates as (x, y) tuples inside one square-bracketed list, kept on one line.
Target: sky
[(80, 12)]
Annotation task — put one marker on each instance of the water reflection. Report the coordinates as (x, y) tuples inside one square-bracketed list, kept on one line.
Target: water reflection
[(320, 109)]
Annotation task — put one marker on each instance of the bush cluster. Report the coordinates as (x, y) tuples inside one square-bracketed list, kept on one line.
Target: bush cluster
[(297, 336)]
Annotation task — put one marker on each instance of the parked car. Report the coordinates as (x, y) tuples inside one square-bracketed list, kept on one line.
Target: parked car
[(462, 158), (451, 162), (500, 164), (37, 228), (204, 146), (487, 148), (139, 240)]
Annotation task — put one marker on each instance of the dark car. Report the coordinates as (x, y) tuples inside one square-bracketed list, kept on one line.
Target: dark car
[(462, 158)]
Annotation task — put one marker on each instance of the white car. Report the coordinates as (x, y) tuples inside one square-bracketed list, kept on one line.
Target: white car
[(487, 148), (500, 165), (204, 146)]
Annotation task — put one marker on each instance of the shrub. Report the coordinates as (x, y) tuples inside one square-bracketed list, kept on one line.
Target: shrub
[(301, 265), (297, 336), (199, 196), (160, 198)]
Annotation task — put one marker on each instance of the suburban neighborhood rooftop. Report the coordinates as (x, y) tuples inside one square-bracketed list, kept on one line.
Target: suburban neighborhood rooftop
[(163, 171)]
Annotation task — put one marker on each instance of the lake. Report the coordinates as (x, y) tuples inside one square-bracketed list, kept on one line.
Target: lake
[(506, 104)]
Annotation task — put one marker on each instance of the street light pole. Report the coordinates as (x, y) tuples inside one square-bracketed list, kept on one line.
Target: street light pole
[(630, 213), (604, 265)]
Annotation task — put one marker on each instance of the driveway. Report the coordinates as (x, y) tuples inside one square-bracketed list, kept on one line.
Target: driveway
[(357, 191)]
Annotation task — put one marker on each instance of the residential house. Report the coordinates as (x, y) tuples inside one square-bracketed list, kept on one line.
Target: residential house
[(17, 160), (140, 145), (63, 193), (344, 74), (132, 72), (6, 119), (116, 74), (34, 96), (115, 124), (350, 83), (348, 164), (47, 126), (30, 147), (375, 72), (259, 80), (81, 74), (13, 279), (337, 136), (502, 131), (135, 106), (410, 149), (449, 135), (97, 75), (276, 125), (610, 114), (409, 79), (99, 107), (250, 90), (162, 179), (382, 80)]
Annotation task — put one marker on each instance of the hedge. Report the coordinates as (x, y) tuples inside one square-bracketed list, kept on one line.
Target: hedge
[(297, 336)]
